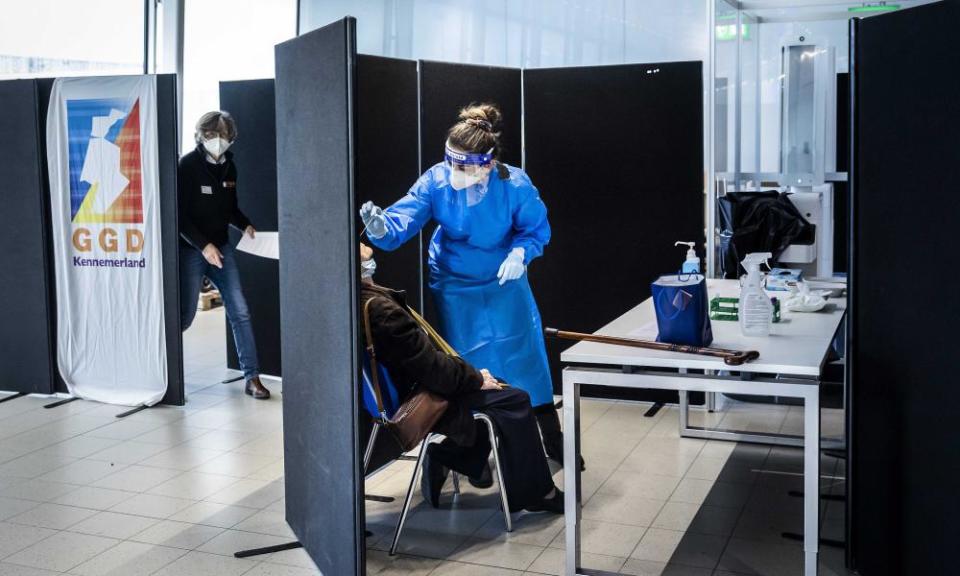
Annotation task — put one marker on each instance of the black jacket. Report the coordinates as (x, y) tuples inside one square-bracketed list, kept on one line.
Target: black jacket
[(207, 199), (413, 361)]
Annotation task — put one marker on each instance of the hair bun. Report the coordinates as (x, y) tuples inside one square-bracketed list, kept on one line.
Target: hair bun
[(483, 116)]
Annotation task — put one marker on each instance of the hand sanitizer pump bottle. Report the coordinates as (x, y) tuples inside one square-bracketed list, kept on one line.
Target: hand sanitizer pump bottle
[(755, 309), (692, 264)]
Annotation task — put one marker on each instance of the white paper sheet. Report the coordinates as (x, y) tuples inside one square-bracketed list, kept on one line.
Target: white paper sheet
[(266, 244)]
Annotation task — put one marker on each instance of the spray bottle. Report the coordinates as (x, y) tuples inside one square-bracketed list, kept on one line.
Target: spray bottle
[(755, 310), (692, 264)]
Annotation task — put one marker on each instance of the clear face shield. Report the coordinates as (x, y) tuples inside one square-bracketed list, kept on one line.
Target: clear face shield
[(467, 169)]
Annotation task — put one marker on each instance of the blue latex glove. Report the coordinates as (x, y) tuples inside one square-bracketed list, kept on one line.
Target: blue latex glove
[(512, 267), (374, 220)]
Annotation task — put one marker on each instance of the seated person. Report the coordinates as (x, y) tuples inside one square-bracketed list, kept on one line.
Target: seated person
[(412, 360)]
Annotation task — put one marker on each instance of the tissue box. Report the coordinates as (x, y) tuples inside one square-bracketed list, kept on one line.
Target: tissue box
[(778, 278)]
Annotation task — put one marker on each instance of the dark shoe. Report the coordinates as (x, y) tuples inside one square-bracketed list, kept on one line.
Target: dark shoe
[(432, 479), (485, 480), (553, 505), (256, 389)]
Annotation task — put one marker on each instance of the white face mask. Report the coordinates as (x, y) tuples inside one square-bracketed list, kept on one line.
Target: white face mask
[(460, 179), (216, 146), (368, 268)]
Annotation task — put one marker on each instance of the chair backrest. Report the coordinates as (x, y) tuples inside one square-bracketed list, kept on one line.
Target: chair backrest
[(388, 391)]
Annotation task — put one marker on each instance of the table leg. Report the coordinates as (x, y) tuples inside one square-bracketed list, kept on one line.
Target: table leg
[(811, 481), (571, 472), (684, 412)]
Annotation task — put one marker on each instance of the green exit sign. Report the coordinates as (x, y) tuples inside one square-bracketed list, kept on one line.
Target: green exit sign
[(727, 32)]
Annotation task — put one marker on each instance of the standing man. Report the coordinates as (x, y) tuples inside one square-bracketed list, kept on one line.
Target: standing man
[(207, 184)]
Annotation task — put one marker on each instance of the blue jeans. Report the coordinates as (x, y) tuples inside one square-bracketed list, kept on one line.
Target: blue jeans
[(193, 267)]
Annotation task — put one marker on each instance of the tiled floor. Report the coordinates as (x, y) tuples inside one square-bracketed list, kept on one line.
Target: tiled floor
[(175, 491)]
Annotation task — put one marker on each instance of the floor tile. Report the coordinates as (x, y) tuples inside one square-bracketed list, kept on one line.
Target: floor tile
[(267, 569), (249, 493), (641, 484), (82, 472), (202, 564), (129, 559), (152, 506), (657, 545), (177, 534), (10, 507), (227, 542), (676, 516), (400, 565), (213, 514), (692, 491), (16, 570), (37, 490), (605, 538), (15, 537), (130, 452), (512, 555), (424, 544), (533, 529), (54, 516), (62, 551), (714, 520), (182, 458), (267, 522), (93, 498), (553, 561), (113, 525), (622, 509), (461, 569), (699, 550), (137, 478), (193, 485)]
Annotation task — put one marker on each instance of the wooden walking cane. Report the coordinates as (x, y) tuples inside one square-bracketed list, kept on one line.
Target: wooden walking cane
[(730, 357)]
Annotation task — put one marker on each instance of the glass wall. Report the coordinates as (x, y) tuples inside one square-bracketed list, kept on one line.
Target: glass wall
[(44, 38), (522, 33), (228, 40)]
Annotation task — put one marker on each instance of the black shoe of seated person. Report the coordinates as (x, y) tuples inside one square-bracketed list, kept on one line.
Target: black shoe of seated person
[(553, 504), (485, 480), (553, 445), (432, 478)]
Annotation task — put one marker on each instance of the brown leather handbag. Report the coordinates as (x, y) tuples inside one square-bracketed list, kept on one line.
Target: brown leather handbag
[(417, 415)]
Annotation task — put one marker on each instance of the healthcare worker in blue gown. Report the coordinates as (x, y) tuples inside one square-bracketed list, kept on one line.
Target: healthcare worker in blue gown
[(492, 224)]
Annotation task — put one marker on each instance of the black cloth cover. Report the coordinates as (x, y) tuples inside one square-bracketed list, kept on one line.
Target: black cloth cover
[(758, 222)]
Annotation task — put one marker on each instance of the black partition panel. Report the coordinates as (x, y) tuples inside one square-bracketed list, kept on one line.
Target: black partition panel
[(387, 165), (251, 102), (904, 465), (617, 154), (27, 361), (315, 87), (168, 146), (445, 88), (387, 155)]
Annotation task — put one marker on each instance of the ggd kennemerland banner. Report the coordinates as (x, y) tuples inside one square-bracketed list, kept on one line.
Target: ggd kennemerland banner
[(105, 207)]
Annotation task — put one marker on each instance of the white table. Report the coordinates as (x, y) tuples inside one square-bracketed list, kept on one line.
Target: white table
[(795, 352)]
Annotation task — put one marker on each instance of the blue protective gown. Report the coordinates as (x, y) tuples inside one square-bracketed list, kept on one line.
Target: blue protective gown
[(491, 326)]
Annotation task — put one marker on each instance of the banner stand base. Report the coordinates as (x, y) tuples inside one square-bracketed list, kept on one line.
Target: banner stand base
[(13, 396), (61, 402), (229, 380), (134, 411)]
